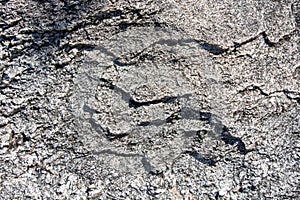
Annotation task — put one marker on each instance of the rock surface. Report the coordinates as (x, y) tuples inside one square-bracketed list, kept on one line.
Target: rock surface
[(149, 100)]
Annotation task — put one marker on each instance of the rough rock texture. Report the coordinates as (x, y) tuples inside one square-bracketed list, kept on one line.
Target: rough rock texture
[(149, 99)]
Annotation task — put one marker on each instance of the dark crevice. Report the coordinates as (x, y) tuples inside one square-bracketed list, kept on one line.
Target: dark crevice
[(88, 109), (25, 138), (98, 128), (111, 137), (200, 158), (173, 117), (156, 173), (238, 45), (146, 123), (136, 104), (222, 132), (60, 65), (253, 88), (266, 39), (212, 48), (291, 95), (108, 83), (229, 139)]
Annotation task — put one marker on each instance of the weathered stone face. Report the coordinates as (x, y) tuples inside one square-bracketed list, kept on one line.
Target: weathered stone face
[(194, 99)]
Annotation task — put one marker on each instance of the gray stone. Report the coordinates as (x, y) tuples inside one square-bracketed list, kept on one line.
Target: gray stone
[(149, 100)]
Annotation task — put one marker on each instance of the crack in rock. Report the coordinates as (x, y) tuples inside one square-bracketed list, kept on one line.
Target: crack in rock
[(266, 39), (135, 104), (124, 92), (291, 95)]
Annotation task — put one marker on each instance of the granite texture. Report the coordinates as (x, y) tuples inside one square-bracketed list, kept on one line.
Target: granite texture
[(149, 99)]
